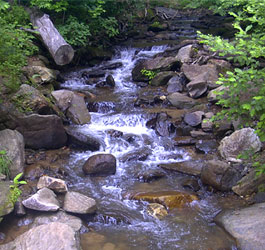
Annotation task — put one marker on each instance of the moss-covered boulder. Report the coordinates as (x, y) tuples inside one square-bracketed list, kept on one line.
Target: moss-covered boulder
[(6, 204)]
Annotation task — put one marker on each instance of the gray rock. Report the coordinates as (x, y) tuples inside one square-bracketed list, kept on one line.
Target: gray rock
[(194, 119), (57, 185), (206, 146), (214, 94), (13, 143), (246, 225), (184, 141), (239, 142), (42, 131), (249, 184), (52, 236), (185, 167), (6, 205), (43, 200), (74, 222), (181, 101), (197, 87), (162, 78), (175, 84), (78, 203), (73, 105), (219, 175), (19, 208), (100, 164), (207, 125), (185, 53), (200, 135)]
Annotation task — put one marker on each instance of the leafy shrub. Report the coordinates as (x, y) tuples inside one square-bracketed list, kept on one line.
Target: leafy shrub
[(4, 163), (15, 191)]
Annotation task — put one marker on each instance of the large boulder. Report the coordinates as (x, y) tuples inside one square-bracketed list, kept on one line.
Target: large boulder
[(73, 105), (42, 131), (249, 184), (75, 202), (52, 236), (176, 84), (241, 141), (43, 200), (185, 53), (12, 142), (80, 140), (246, 225), (28, 99), (198, 86), (157, 64), (6, 204), (100, 164), (169, 199), (181, 101), (219, 175)]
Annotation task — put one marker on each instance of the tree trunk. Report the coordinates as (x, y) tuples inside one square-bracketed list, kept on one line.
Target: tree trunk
[(60, 50)]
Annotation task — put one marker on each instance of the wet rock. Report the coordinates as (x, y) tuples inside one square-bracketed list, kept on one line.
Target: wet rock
[(41, 74), (42, 131), (30, 99), (183, 129), (151, 175), (94, 74), (246, 225), (170, 199), (157, 210), (92, 240), (184, 141), (6, 205), (52, 236), (100, 164), (197, 87), (162, 78), (194, 119), (185, 54), (249, 184), (112, 66), (206, 146), (185, 167), (73, 105), (137, 155), (156, 64), (200, 135), (43, 200), (80, 140), (74, 222), (219, 175), (191, 184), (181, 101), (12, 142), (57, 185), (239, 142), (110, 81), (213, 95), (176, 84), (162, 126), (75, 202), (19, 208)]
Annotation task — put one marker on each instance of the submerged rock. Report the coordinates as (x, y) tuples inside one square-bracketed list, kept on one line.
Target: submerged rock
[(246, 225), (100, 164), (170, 199), (12, 142), (43, 200), (51, 236), (75, 202), (241, 141)]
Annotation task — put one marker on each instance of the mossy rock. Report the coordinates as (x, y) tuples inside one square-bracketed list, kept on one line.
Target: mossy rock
[(6, 205), (157, 27)]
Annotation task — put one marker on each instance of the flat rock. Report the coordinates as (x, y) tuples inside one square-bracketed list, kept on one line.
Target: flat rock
[(246, 225), (169, 199), (57, 185), (185, 167), (43, 200), (75, 202), (243, 140), (52, 236), (181, 101), (184, 141), (12, 142)]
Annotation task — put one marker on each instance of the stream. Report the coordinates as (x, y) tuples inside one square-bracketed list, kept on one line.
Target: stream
[(121, 129)]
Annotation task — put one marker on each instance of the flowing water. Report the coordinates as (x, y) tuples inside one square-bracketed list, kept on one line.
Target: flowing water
[(122, 221)]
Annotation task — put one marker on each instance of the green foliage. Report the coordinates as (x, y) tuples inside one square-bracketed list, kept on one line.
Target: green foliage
[(15, 45), (3, 5), (15, 191), (74, 32), (4, 163), (149, 73), (57, 6)]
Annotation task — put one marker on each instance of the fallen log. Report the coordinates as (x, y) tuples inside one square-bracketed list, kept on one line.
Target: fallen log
[(60, 50)]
